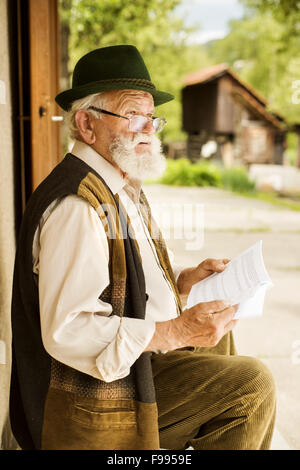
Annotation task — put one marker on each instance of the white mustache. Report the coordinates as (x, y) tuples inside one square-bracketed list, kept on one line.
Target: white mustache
[(138, 138)]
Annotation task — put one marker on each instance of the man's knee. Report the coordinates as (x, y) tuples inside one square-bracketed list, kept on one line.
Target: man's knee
[(259, 382)]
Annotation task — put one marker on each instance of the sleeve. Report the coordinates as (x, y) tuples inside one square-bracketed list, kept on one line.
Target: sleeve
[(78, 328), (176, 267)]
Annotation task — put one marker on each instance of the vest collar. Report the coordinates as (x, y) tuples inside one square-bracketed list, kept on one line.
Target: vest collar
[(106, 170)]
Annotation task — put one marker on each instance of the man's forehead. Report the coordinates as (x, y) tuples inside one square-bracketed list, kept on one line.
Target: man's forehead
[(123, 98)]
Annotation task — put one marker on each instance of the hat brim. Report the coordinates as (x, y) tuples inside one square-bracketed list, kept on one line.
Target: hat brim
[(65, 98)]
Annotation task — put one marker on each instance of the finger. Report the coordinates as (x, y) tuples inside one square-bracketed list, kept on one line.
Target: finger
[(220, 264), (207, 264), (213, 306), (225, 316), (212, 264)]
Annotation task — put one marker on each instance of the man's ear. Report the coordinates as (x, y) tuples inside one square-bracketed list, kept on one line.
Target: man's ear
[(85, 126)]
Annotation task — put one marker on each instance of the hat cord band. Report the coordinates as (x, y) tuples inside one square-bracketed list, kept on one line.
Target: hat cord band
[(134, 81)]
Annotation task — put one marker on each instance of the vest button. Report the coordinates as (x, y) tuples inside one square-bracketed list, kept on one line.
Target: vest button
[(147, 296)]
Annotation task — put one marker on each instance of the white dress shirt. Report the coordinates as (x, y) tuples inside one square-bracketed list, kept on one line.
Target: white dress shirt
[(70, 260)]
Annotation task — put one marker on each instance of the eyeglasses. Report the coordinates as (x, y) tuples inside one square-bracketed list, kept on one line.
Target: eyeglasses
[(137, 123)]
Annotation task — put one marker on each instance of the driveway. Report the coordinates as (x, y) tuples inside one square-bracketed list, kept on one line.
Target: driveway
[(206, 222)]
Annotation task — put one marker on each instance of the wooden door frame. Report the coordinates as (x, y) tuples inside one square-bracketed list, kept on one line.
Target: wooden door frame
[(44, 85)]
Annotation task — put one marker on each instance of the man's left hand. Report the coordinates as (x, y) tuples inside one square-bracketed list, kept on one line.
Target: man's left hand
[(190, 276)]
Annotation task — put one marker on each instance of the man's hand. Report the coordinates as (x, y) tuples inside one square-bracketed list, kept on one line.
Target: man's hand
[(202, 325), (190, 276), (205, 323)]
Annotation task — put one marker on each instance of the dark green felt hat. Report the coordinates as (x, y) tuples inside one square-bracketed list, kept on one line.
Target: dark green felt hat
[(110, 68)]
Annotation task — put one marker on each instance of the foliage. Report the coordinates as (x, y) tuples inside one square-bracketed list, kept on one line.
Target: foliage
[(236, 179), (96, 23), (178, 173), (182, 172), (286, 12)]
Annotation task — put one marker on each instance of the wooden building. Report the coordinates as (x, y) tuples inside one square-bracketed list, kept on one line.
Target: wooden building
[(218, 106)]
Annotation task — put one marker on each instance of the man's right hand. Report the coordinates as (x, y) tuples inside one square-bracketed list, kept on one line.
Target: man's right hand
[(202, 325), (205, 324)]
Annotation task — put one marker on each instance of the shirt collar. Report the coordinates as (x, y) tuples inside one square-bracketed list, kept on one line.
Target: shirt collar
[(106, 170)]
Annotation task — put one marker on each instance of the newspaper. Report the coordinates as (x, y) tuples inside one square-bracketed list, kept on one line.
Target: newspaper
[(244, 282)]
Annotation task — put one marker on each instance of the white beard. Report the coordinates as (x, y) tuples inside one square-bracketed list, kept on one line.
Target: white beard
[(138, 166)]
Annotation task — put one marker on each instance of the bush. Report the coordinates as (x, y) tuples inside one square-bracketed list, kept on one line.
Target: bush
[(236, 179), (182, 172), (178, 173), (206, 174)]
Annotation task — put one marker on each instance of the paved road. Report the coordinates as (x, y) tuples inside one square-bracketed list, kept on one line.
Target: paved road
[(207, 222)]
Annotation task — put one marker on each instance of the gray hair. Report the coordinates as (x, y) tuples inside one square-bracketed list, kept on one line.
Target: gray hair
[(97, 99)]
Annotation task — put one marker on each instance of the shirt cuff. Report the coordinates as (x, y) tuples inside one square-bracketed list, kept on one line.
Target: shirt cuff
[(176, 267), (132, 338), (177, 270)]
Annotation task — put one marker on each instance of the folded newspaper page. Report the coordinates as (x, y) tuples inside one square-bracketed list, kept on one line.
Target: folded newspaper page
[(244, 281)]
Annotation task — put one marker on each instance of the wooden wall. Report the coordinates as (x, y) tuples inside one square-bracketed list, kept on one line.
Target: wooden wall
[(199, 108)]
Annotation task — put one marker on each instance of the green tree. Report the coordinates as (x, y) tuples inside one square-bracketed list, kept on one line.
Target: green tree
[(286, 12)]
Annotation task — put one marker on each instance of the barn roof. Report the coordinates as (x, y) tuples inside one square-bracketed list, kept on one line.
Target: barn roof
[(247, 94)]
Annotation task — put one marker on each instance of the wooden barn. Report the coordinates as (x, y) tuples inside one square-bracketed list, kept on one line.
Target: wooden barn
[(218, 107)]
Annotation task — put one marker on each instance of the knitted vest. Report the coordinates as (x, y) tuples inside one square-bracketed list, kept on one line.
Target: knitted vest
[(34, 371)]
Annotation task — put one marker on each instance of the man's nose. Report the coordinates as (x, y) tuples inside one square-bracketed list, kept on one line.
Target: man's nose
[(149, 128)]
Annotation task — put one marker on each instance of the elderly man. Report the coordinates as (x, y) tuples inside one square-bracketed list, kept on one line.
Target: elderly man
[(103, 355)]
